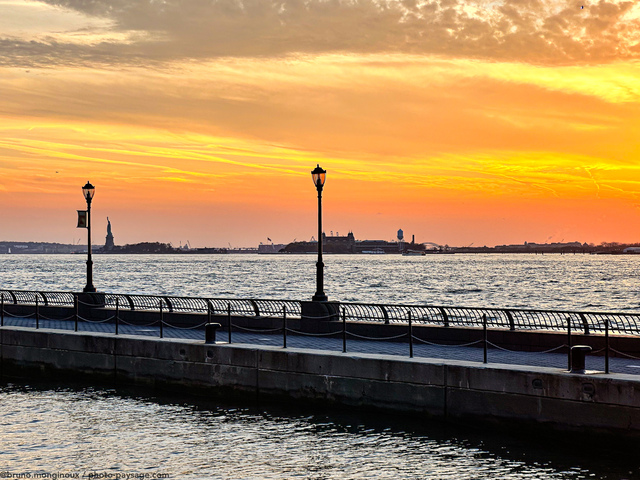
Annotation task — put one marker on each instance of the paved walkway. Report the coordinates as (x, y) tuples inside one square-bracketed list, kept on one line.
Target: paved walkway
[(471, 353)]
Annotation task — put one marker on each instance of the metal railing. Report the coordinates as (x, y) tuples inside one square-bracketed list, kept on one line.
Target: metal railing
[(512, 319), (444, 316), (406, 317)]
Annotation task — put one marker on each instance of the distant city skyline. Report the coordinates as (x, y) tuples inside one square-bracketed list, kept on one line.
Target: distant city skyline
[(4, 243), (468, 121)]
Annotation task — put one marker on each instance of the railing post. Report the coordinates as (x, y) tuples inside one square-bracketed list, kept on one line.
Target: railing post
[(75, 313), (410, 337), (161, 320), (569, 343), (585, 324), (606, 345), (484, 329), (2, 313), (512, 323), (385, 315), (445, 317), (344, 331), (37, 312), (229, 320), (284, 326), (208, 312), (117, 314)]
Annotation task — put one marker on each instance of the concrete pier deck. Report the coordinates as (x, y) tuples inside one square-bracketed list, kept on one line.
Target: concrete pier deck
[(518, 388), (556, 359)]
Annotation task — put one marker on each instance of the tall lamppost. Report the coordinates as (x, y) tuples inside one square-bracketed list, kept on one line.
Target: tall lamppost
[(88, 190), (319, 176)]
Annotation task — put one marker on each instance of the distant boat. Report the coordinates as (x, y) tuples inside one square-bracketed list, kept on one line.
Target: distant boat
[(375, 251), (413, 253)]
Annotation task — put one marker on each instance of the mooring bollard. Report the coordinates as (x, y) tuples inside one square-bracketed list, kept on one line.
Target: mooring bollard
[(210, 332), (578, 354)]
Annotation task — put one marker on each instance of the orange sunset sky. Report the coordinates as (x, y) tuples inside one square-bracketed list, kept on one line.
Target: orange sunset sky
[(459, 121)]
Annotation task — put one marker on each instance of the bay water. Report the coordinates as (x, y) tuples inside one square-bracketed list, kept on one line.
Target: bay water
[(562, 282), (81, 431)]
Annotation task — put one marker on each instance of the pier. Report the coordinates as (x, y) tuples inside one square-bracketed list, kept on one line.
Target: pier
[(482, 365)]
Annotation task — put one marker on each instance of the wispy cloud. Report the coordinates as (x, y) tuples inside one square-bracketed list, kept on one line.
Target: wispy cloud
[(534, 31)]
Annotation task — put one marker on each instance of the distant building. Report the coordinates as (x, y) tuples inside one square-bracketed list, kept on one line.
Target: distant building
[(348, 244), (270, 247)]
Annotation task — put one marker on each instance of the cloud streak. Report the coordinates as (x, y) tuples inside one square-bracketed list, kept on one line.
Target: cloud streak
[(532, 31)]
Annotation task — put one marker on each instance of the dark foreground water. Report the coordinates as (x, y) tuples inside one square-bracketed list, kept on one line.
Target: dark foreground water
[(111, 434)]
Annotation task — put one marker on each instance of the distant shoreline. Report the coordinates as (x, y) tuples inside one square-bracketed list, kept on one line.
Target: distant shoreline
[(157, 248), (427, 254)]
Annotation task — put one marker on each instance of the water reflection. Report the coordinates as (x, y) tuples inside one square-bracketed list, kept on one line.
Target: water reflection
[(580, 282), (80, 429)]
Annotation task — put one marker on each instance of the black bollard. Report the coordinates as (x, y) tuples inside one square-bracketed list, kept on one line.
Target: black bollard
[(578, 354), (210, 332)]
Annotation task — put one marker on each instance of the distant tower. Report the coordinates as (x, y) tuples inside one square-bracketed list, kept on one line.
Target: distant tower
[(401, 240), (108, 245)]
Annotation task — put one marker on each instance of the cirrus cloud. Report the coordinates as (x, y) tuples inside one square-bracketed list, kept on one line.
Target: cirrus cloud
[(532, 31)]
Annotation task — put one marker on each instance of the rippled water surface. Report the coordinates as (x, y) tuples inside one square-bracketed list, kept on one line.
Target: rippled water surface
[(82, 430), (586, 282), (89, 430)]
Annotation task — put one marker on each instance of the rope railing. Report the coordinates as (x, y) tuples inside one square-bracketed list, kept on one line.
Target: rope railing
[(59, 324), (513, 319), (259, 316), (434, 315)]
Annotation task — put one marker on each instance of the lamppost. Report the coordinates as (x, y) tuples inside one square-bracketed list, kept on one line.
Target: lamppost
[(87, 191), (319, 176)]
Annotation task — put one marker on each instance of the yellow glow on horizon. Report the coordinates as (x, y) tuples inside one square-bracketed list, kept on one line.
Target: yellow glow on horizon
[(397, 133)]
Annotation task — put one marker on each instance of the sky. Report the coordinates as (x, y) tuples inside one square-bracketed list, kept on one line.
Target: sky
[(463, 122)]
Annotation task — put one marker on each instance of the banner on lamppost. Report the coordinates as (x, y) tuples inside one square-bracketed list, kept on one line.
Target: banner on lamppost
[(82, 219)]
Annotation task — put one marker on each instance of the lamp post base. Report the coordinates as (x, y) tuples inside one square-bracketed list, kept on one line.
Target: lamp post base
[(315, 314), (319, 298)]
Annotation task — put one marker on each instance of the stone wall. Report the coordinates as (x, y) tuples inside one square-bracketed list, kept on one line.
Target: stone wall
[(424, 387)]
